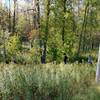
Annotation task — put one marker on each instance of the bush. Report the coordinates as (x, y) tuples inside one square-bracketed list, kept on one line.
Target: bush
[(13, 45), (35, 55), (78, 58)]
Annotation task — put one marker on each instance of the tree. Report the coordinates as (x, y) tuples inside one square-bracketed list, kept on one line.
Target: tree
[(46, 30), (83, 25)]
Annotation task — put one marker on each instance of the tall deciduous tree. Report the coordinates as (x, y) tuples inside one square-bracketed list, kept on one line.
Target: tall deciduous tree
[(46, 31), (83, 26)]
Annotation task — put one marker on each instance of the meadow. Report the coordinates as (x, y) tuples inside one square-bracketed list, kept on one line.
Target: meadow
[(48, 82)]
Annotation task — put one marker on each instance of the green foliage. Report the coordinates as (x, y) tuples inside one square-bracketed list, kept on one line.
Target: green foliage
[(13, 45), (23, 58), (55, 48), (76, 24), (78, 58), (35, 55), (69, 43), (21, 25), (4, 17)]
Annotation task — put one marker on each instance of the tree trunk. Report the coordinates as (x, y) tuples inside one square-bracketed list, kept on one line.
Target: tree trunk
[(9, 28), (14, 17), (46, 31), (98, 68), (63, 27), (38, 13)]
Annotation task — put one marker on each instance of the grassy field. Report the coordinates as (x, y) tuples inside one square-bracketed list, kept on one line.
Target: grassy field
[(48, 82)]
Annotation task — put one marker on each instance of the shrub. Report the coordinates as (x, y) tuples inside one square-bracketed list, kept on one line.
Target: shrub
[(78, 58), (13, 45), (35, 55)]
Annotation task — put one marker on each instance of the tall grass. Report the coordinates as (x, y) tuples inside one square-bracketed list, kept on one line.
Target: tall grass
[(48, 82)]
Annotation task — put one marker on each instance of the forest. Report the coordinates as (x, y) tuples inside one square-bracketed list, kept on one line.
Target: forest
[(49, 49)]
